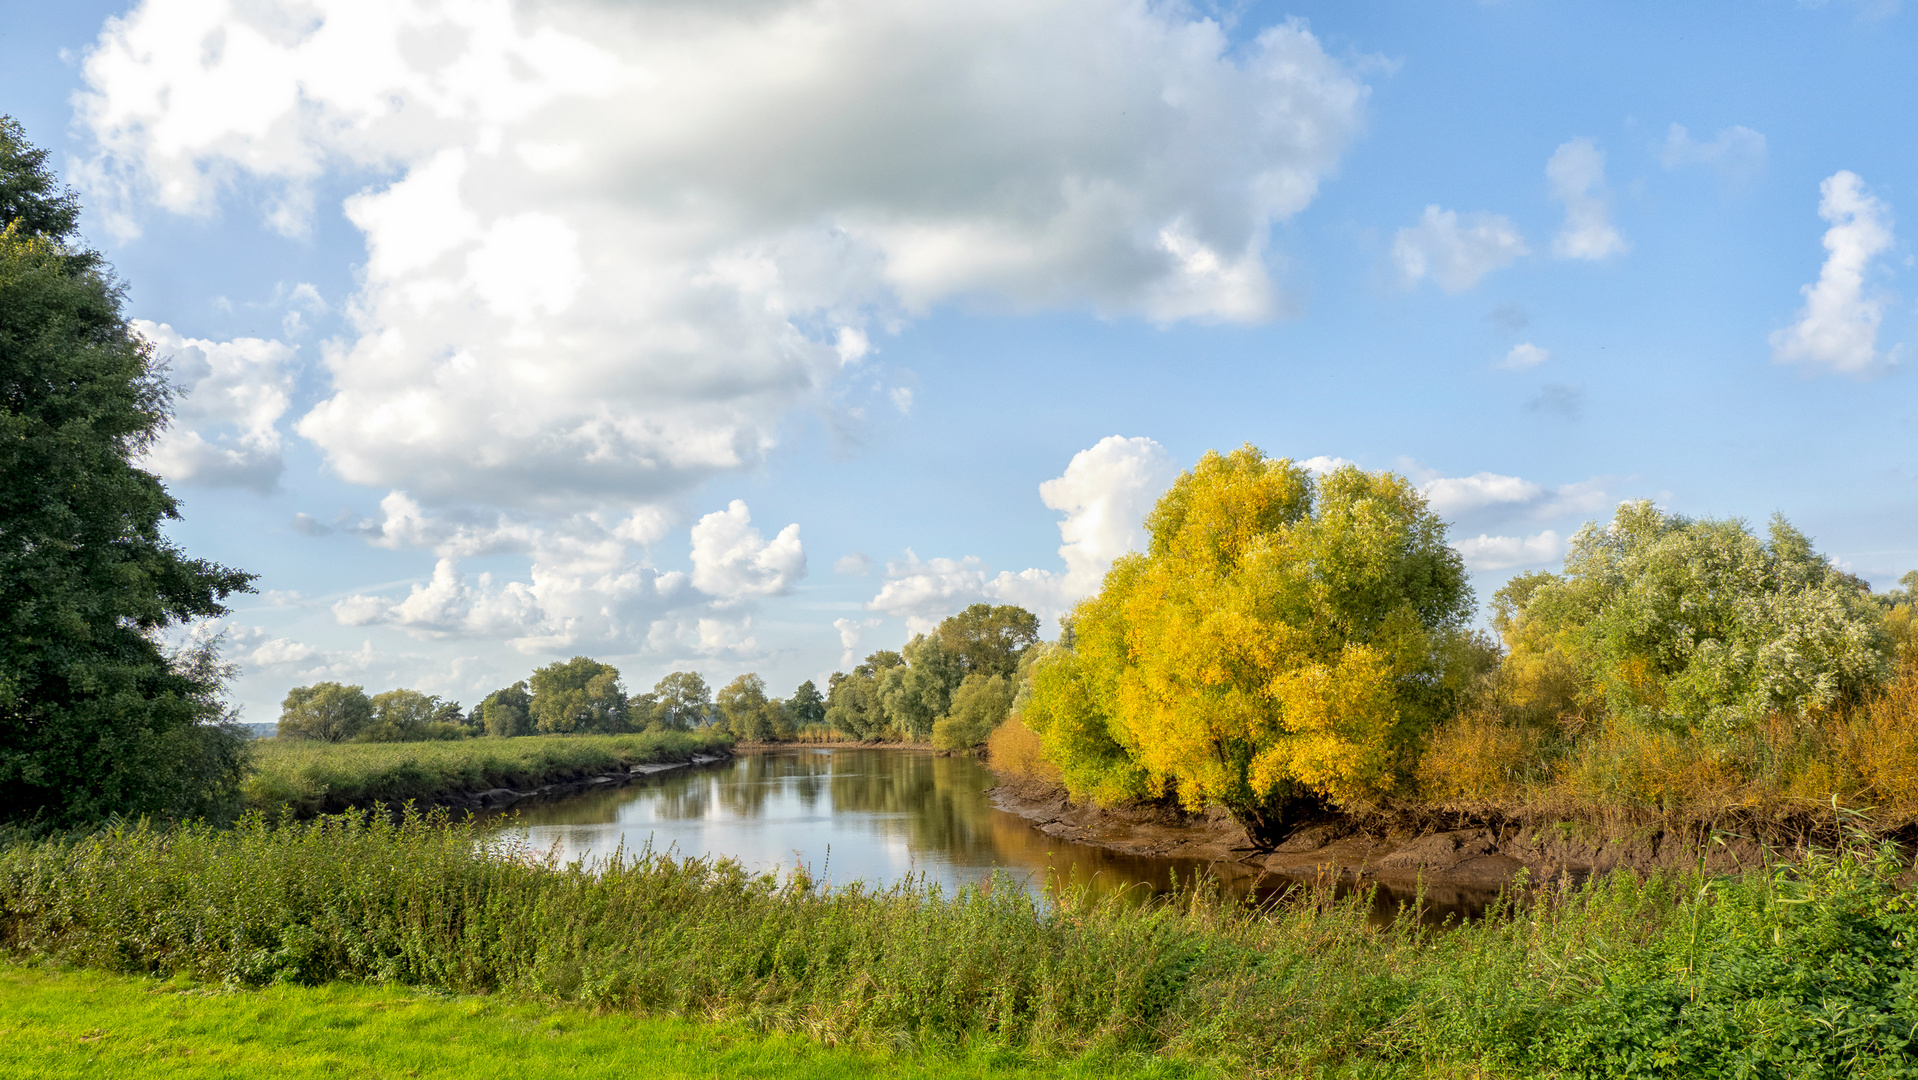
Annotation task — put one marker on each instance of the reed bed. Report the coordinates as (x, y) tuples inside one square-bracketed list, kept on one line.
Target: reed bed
[(1802, 971), (301, 778)]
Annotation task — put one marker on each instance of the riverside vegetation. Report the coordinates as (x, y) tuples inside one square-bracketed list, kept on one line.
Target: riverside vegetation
[(1804, 971)]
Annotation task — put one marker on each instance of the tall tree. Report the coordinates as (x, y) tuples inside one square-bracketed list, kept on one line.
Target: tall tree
[(806, 706), (95, 716), (988, 638), (745, 709), (578, 695), (682, 700)]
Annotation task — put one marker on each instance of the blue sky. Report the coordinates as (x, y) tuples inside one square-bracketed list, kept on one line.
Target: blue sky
[(744, 336)]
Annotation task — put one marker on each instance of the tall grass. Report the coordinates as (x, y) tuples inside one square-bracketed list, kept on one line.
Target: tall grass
[(1800, 972), (302, 778)]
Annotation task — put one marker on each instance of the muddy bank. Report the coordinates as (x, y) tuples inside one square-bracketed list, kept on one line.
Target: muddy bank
[(1443, 851)]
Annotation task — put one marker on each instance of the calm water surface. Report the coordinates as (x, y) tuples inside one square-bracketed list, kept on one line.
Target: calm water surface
[(876, 816)]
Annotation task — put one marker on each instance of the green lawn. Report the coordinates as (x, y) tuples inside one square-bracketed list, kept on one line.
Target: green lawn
[(87, 1024)]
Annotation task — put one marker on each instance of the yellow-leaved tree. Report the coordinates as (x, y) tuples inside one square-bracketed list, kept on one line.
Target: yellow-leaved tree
[(1286, 636)]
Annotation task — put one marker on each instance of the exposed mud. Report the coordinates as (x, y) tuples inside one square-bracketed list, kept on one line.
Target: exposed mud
[(1454, 853)]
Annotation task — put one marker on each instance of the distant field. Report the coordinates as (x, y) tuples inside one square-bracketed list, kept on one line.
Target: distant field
[(311, 777), (81, 1024)]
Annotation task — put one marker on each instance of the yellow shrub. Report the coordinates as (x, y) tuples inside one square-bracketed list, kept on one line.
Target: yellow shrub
[(1476, 758), (1014, 750), (1883, 746)]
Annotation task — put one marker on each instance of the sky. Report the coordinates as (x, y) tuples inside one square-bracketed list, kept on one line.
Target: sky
[(754, 335)]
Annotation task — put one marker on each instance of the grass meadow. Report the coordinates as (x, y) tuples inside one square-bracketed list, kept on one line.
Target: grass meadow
[(303, 778), (1800, 971)]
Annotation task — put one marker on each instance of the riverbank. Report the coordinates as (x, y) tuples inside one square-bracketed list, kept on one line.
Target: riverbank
[(301, 779), (1470, 852), (1802, 972)]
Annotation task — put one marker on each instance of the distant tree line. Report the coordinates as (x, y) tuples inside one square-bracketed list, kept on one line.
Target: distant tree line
[(950, 687)]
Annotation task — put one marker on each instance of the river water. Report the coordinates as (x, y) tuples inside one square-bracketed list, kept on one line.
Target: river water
[(869, 815)]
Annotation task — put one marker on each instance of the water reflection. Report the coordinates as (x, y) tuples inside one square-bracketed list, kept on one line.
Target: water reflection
[(875, 816)]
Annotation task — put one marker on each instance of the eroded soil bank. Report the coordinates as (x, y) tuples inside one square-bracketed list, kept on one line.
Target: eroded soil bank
[(1463, 852)]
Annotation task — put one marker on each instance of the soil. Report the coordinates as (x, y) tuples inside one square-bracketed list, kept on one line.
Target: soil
[(1458, 851)]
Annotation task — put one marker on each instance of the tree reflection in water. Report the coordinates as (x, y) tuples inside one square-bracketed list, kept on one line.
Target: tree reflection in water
[(871, 815)]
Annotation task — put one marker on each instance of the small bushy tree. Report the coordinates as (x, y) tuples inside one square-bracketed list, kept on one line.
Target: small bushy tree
[(1692, 625), (411, 716), (979, 705)]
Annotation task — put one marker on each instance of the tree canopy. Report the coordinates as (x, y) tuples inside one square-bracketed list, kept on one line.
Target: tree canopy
[(578, 695), (1284, 635), (1690, 624), (95, 716)]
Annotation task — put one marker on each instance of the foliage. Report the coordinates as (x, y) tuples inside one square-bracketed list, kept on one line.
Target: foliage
[(918, 692), (746, 712), (682, 701), (411, 716), (978, 706), (507, 712), (1014, 751), (1799, 971), (325, 711), (301, 779), (95, 717), (988, 639), (806, 707), (578, 695), (853, 703), (1283, 636), (1692, 625)]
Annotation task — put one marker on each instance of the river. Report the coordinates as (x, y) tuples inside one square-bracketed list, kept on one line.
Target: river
[(872, 815)]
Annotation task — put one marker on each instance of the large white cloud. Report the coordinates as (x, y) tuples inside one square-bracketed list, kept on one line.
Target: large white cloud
[(732, 561), (229, 397), (1838, 327), (618, 242), (1453, 250), (1577, 174), (1105, 494)]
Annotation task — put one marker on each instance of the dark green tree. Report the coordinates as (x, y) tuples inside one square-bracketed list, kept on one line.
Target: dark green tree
[(806, 707), (988, 638), (96, 717), (507, 712), (682, 701)]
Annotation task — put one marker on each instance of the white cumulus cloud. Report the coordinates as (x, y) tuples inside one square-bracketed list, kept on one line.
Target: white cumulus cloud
[(1453, 250), (1838, 327), (732, 560), (229, 397), (614, 243), (1577, 175)]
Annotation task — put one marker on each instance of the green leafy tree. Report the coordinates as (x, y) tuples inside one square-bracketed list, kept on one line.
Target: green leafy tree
[(806, 707), (988, 638), (578, 695), (507, 712), (746, 712), (1283, 637), (919, 691), (683, 701), (96, 717), (853, 704), (411, 716), (1692, 625), (326, 712), (979, 705)]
